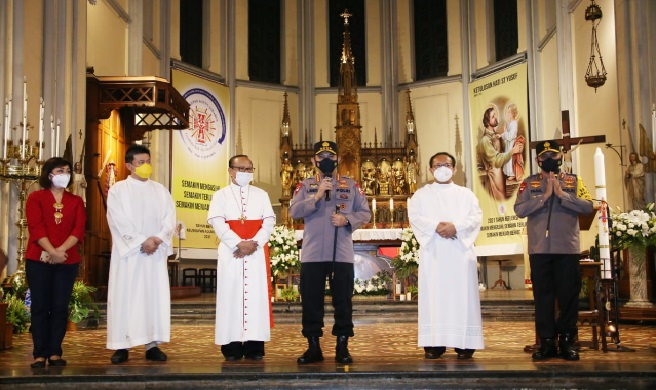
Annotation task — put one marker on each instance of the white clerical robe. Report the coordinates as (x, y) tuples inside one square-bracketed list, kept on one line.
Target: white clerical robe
[(138, 300), (449, 302), (242, 293)]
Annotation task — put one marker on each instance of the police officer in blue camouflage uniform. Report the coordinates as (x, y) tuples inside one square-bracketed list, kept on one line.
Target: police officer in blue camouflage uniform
[(553, 201), (315, 200)]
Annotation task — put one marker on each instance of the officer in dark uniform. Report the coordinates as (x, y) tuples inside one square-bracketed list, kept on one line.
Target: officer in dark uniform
[(552, 201), (315, 200)]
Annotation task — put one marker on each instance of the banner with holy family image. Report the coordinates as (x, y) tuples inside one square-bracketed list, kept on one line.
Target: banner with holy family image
[(499, 117)]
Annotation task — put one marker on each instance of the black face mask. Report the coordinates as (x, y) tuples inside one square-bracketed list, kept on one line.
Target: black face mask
[(551, 165), (327, 166)]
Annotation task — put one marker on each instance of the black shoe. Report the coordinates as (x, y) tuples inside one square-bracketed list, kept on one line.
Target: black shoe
[(38, 364), (567, 345), (156, 354), (546, 350), (232, 358), (342, 354), (464, 354), (313, 353), (120, 356), (433, 352), (56, 362), (256, 357)]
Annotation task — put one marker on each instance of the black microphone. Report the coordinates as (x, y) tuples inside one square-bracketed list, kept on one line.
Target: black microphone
[(327, 192)]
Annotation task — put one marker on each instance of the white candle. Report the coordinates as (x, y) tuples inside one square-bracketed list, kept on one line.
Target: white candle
[(402, 297), (41, 109), (52, 137), (391, 204), (24, 116), (409, 296), (57, 139), (398, 288), (4, 146), (600, 193), (373, 204)]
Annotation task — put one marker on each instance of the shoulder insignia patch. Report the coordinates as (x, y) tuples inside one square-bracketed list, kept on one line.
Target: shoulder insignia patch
[(522, 187), (298, 187)]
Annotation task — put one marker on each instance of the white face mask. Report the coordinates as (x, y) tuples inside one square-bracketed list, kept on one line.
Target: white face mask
[(443, 174), (61, 180), (243, 178)]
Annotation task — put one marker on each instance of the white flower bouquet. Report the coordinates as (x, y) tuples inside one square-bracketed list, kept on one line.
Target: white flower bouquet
[(407, 262), (379, 284), (283, 251), (634, 228)]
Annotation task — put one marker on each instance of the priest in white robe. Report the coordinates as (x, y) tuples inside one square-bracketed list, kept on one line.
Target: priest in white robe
[(243, 219), (141, 217), (446, 219)]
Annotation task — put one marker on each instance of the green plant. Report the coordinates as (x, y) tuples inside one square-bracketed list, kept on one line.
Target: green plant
[(82, 302), (17, 313), (289, 294), (407, 262), (414, 290)]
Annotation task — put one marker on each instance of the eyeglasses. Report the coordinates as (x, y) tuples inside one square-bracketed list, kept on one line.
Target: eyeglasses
[(243, 169), (443, 165)]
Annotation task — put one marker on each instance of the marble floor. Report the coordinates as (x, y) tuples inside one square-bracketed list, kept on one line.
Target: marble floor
[(385, 356)]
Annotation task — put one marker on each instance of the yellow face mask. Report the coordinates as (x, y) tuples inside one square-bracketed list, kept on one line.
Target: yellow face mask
[(144, 170)]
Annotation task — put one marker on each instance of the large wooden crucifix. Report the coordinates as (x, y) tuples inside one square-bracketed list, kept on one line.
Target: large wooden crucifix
[(567, 141)]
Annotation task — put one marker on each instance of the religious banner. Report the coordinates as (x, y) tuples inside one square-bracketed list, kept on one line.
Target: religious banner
[(199, 155), (499, 117)]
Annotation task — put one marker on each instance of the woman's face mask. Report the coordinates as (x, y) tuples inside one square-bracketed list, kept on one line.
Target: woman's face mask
[(61, 180)]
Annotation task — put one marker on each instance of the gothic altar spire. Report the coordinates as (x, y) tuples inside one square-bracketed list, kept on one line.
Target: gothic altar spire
[(347, 84), (409, 115)]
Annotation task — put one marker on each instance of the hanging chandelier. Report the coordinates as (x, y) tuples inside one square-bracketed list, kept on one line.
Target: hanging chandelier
[(595, 76)]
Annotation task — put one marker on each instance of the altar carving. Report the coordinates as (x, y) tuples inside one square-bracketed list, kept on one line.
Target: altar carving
[(384, 170)]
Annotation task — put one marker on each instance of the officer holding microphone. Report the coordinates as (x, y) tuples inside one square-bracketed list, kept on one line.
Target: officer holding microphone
[(332, 207)]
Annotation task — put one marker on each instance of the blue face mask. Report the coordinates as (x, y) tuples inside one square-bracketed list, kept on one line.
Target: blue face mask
[(327, 166)]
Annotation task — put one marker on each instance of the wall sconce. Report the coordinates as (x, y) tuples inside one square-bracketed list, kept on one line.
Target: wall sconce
[(595, 76)]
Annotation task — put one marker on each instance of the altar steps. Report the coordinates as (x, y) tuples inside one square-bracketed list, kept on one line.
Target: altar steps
[(364, 311)]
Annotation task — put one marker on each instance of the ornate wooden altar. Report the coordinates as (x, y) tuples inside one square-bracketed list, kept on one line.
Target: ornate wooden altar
[(386, 172)]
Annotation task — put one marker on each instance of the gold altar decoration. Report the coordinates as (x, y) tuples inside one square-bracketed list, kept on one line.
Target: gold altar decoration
[(386, 171), (21, 166)]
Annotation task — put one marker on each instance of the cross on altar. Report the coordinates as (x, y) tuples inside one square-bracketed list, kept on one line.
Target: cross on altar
[(567, 141)]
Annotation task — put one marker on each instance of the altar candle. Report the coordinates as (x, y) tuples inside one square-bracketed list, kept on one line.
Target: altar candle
[(57, 139), (52, 136), (4, 147), (391, 204), (373, 204), (41, 109), (24, 116), (600, 193)]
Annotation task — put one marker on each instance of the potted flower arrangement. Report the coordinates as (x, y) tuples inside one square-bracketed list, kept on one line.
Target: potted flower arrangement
[(635, 230), (283, 252), (82, 304), (407, 262), (18, 315), (379, 284)]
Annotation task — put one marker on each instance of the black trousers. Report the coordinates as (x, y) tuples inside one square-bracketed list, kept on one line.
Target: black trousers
[(555, 276), (50, 287), (239, 349), (313, 282)]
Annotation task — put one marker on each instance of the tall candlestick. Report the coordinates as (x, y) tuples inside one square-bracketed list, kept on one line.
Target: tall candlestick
[(57, 139), (41, 109), (24, 116), (373, 204), (52, 137), (600, 193)]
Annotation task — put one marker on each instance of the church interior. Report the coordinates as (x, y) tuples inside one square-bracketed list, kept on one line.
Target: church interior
[(392, 82)]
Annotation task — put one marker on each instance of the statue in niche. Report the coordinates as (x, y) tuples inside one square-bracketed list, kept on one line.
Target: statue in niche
[(384, 215), (412, 173), (299, 173), (397, 178), (369, 182), (383, 176), (286, 178), (400, 214), (79, 183), (634, 179)]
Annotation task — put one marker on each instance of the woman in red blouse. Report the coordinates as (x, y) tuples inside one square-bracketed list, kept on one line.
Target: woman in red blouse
[(55, 220)]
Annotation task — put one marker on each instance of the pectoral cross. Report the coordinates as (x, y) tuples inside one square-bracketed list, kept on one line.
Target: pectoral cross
[(567, 141), (242, 218)]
